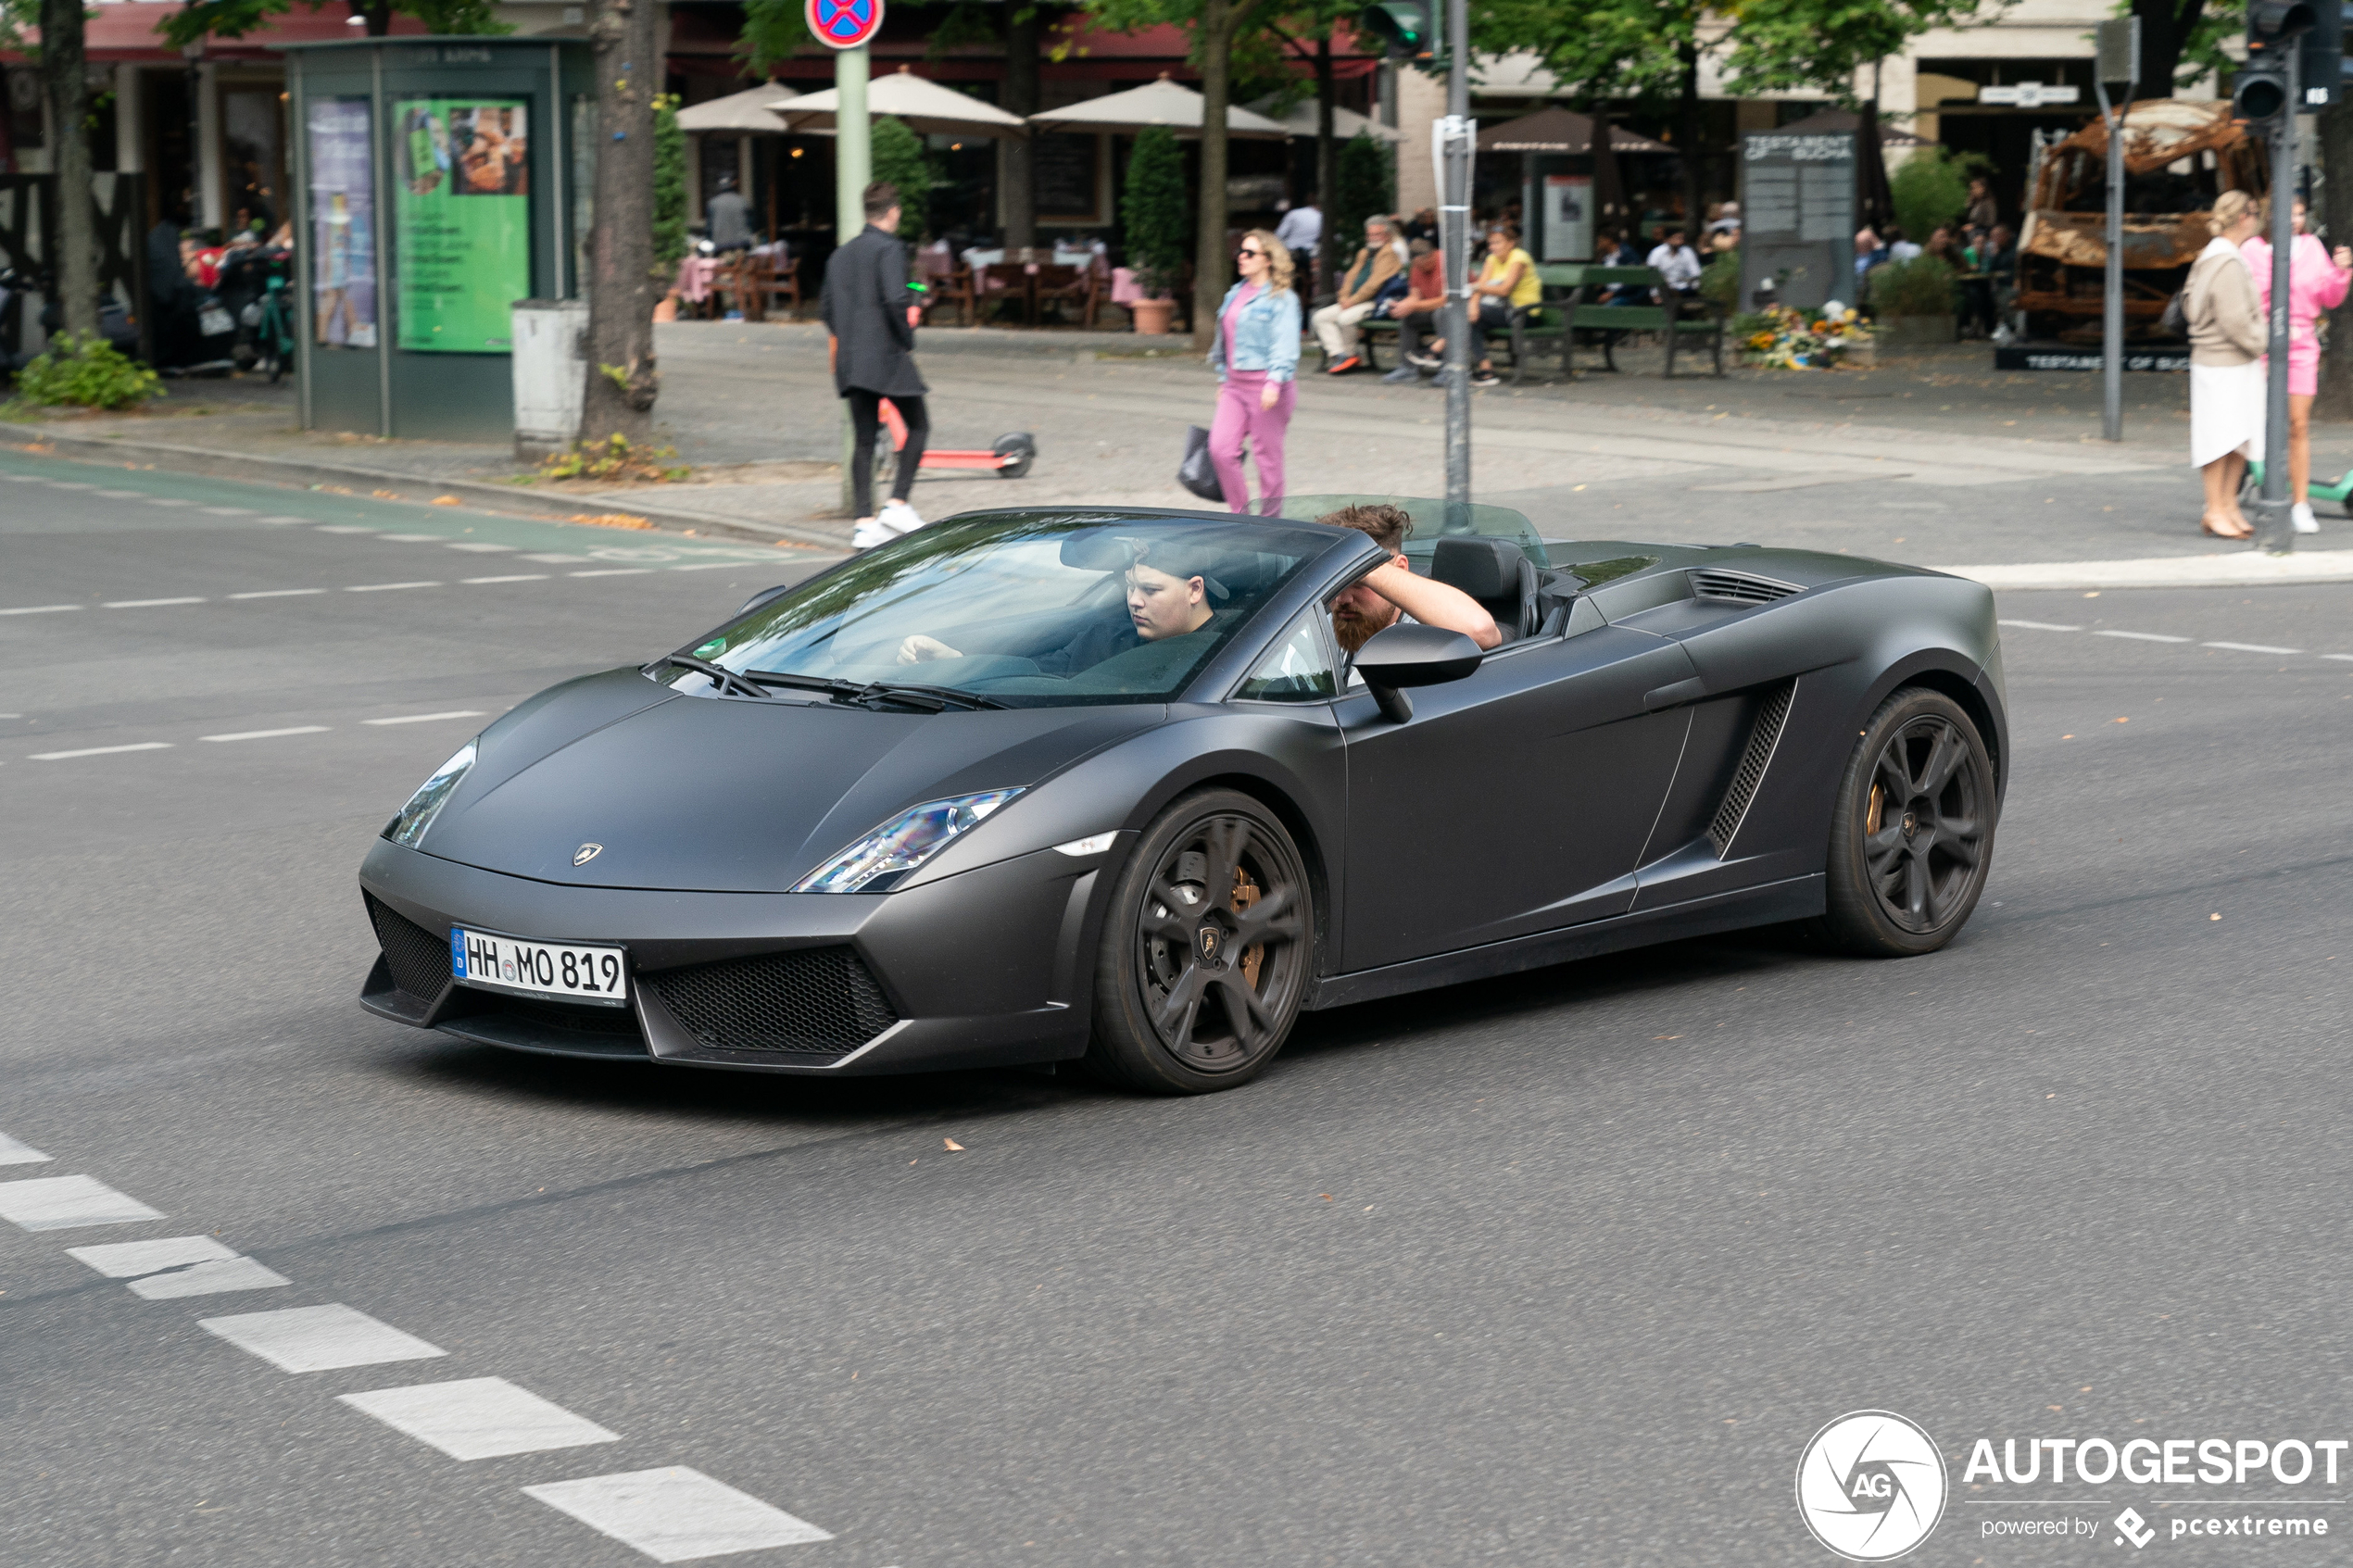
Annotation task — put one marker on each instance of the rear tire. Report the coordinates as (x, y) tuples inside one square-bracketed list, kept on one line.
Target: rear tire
[(1206, 951), (1912, 831)]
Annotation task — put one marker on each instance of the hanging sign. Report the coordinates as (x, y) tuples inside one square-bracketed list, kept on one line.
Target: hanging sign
[(845, 24)]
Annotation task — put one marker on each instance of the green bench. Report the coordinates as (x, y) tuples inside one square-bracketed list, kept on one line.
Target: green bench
[(1572, 304)]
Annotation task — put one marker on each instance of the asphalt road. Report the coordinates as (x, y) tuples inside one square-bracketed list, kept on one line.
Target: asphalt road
[(1564, 1270)]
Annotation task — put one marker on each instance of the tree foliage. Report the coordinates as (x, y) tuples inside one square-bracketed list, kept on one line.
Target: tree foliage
[(901, 158), (1931, 188), (1155, 212), (670, 187), (233, 18), (1367, 187), (1784, 46)]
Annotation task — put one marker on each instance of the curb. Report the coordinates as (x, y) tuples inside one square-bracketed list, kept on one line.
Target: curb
[(2242, 569), (303, 473)]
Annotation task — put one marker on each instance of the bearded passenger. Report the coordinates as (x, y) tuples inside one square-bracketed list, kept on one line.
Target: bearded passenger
[(1391, 594)]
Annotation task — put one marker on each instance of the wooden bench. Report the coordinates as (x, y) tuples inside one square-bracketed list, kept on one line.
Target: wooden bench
[(1679, 318)]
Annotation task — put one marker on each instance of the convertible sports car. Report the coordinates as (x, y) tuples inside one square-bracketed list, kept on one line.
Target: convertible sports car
[(1032, 787)]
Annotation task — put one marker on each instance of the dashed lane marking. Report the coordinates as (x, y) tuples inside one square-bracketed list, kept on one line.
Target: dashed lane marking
[(318, 1338), (387, 587), (228, 512), (480, 548), (168, 501), (150, 604), (411, 538), (675, 1514), (99, 751), (15, 1153), (57, 1203), (38, 609), (284, 520), (517, 577), (271, 734), (277, 593), (557, 560), (2249, 647), (427, 718), (2041, 625), (706, 566), (123, 495), (479, 1418), (613, 571), (176, 1267), (343, 527), (2142, 637)]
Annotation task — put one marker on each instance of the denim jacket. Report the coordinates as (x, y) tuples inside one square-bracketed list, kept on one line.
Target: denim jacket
[(1265, 334)]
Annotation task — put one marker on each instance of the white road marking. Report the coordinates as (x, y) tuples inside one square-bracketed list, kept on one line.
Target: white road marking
[(2348, 657), (2142, 637), (2041, 625), (124, 494), (343, 527), (675, 1514), (557, 560), (613, 571), (479, 1418), (482, 549), (148, 604), (229, 511), (168, 501), (15, 1153), (273, 734), (285, 519), (38, 609), (208, 1279), (2249, 647), (411, 538), (69, 485), (128, 1259), (709, 565), (427, 718), (277, 593), (57, 1203), (318, 1338), (100, 751), (518, 577), (387, 587)]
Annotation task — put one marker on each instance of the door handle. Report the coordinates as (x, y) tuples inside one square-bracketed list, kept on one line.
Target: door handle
[(1681, 691)]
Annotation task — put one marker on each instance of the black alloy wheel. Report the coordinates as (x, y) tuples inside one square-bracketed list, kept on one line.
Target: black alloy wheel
[(1206, 951), (1912, 832)]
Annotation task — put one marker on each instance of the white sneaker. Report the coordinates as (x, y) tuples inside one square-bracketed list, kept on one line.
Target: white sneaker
[(898, 517), (2304, 522), (868, 533)]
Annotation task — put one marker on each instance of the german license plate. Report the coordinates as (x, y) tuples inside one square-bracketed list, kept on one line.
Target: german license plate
[(539, 969)]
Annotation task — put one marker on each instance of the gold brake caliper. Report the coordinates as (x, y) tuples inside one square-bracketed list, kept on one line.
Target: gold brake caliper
[(1246, 894)]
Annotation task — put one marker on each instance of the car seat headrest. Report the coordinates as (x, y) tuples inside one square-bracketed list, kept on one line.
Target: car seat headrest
[(1485, 569)]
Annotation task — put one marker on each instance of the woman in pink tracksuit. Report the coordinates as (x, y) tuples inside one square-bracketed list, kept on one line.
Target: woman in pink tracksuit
[(2316, 281)]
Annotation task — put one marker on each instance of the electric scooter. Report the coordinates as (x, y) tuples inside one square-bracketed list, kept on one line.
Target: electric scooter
[(1011, 457), (2339, 489)]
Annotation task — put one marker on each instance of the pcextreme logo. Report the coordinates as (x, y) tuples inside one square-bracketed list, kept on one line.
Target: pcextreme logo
[(1870, 1486)]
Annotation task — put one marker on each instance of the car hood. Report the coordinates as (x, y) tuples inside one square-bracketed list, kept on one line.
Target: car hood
[(728, 794)]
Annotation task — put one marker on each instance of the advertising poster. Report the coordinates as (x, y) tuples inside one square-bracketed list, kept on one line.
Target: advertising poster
[(1569, 217), (343, 225), (462, 194)]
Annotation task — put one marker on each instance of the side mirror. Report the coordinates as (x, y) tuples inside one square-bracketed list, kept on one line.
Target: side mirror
[(1413, 656), (760, 598)]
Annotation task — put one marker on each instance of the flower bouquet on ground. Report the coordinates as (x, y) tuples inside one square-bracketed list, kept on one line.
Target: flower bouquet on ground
[(1782, 338)]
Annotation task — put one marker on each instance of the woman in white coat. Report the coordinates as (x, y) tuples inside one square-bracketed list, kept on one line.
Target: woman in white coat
[(2227, 341)]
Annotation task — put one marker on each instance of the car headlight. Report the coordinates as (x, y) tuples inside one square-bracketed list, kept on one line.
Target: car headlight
[(888, 853), (431, 795)]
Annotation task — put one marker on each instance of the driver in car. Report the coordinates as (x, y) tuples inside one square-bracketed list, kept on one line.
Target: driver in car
[(1169, 589), (1393, 594)]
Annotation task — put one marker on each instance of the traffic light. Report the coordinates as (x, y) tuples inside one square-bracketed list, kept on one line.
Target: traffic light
[(2272, 28), (2323, 77), (1408, 28)]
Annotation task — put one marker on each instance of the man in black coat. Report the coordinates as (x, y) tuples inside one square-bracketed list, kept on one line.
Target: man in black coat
[(870, 318)]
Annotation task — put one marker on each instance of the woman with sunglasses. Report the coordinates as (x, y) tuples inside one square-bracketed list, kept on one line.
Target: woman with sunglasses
[(1256, 355)]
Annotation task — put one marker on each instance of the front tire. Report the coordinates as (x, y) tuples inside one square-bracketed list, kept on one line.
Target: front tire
[(1206, 951), (1912, 832)]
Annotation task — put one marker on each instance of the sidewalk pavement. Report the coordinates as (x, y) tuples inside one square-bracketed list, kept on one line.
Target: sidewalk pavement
[(1929, 458)]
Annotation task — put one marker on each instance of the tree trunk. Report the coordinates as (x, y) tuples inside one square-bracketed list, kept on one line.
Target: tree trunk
[(1016, 164), (1872, 194), (67, 80), (2165, 27), (1328, 249), (375, 13), (621, 379), (2335, 222), (1687, 129), (1210, 264)]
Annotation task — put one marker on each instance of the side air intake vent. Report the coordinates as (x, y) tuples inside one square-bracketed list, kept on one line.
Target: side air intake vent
[(1721, 587), (1763, 736), (419, 960), (815, 1001)]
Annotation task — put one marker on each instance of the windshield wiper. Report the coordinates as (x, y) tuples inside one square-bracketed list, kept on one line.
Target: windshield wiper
[(909, 694), (718, 674)]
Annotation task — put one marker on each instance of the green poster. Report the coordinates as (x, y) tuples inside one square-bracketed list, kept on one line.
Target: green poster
[(462, 198)]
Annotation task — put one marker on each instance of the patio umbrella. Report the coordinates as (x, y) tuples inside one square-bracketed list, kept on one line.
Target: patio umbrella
[(924, 103), (1156, 103), (744, 113), (1560, 131), (1347, 124)]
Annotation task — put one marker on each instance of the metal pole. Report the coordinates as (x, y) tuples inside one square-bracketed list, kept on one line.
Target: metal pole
[(2272, 513), (2112, 314), (1454, 221), (853, 169)]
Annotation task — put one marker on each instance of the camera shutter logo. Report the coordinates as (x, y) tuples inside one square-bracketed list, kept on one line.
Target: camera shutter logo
[(1870, 1486)]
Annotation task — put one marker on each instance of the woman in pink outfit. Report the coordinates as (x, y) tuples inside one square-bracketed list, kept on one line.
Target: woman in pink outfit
[(2316, 281), (1256, 355)]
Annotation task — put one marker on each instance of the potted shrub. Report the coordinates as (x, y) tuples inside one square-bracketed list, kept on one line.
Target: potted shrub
[(1159, 228), (1913, 301)]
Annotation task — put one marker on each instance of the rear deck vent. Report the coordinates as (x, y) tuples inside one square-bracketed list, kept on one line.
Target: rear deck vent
[(815, 1001), (1763, 736), (1738, 587), (419, 960)]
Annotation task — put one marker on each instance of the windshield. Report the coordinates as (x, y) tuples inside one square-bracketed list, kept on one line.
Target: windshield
[(1024, 610)]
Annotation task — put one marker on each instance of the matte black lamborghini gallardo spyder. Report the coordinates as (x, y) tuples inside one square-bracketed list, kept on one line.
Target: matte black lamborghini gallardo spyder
[(942, 806)]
